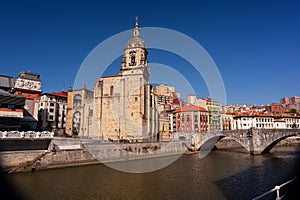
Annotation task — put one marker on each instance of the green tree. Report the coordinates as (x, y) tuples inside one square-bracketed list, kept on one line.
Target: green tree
[(294, 125), (293, 110)]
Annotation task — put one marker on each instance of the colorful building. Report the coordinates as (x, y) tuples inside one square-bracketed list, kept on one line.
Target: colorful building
[(191, 119), (28, 85)]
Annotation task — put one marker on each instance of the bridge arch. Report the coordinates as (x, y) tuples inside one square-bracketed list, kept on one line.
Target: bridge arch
[(209, 142), (267, 148), (254, 140)]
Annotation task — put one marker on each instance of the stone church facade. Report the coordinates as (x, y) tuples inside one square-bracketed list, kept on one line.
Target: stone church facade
[(122, 106)]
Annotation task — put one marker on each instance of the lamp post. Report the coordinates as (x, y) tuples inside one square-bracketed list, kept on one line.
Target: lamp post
[(88, 132)]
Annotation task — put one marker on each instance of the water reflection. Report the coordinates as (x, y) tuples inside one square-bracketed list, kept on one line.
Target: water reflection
[(223, 174)]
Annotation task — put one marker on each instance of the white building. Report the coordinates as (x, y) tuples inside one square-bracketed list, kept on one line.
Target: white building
[(192, 99), (53, 110), (291, 121), (227, 122), (265, 120)]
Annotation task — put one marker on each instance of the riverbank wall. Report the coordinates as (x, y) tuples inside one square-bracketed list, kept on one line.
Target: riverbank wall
[(67, 152)]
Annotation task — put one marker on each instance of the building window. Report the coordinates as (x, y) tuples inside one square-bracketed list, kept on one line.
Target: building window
[(135, 98), (50, 116), (77, 101), (11, 106), (51, 104), (51, 110)]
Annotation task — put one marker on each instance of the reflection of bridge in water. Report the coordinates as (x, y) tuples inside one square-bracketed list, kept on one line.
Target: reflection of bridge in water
[(255, 141)]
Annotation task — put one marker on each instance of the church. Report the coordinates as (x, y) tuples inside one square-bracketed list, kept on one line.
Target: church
[(121, 106)]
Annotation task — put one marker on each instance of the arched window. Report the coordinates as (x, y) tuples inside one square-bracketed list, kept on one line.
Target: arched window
[(77, 101), (76, 122), (112, 90), (133, 60)]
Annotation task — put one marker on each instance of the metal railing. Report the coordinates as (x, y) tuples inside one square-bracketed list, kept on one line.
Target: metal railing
[(27, 134), (277, 189)]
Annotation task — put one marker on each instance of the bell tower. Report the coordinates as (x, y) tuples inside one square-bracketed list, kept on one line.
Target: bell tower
[(125, 102), (135, 58)]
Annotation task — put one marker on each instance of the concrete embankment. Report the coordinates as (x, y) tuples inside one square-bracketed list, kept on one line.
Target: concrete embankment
[(66, 152)]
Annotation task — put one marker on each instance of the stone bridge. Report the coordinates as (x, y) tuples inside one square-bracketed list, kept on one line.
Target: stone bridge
[(255, 141)]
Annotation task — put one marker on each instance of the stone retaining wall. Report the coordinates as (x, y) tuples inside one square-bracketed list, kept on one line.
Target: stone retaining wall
[(14, 158), (105, 152)]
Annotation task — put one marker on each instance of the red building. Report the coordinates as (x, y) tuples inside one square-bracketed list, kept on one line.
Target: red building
[(276, 108), (191, 119), (11, 110), (28, 85)]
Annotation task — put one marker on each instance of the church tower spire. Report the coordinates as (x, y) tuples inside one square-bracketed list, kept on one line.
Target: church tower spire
[(135, 54), (136, 30)]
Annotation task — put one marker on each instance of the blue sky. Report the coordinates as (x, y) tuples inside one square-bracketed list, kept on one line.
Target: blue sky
[(255, 44)]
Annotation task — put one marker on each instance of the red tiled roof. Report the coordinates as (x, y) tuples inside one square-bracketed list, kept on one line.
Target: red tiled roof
[(175, 99), (263, 114), (60, 94), (190, 108)]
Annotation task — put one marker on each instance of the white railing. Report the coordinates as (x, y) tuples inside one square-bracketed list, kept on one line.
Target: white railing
[(277, 189), (27, 134)]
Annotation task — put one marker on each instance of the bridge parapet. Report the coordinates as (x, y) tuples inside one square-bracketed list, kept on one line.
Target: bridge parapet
[(264, 140)]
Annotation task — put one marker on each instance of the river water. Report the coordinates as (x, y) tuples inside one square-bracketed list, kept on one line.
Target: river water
[(222, 174)]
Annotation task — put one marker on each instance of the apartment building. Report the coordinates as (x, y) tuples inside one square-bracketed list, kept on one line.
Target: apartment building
[(53, 110)]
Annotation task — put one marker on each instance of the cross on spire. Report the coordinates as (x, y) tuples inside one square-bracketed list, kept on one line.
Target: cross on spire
[(137, 21), (136, 30)]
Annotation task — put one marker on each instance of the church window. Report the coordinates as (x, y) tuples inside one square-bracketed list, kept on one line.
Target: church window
[(99, 84), (111, 90), (132, 60), (77, 101)]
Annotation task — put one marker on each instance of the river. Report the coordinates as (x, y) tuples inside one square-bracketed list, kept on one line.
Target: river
[(222, 174)]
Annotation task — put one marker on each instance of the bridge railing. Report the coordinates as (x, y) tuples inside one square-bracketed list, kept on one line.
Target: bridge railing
[(277, 189), (27, 134)]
